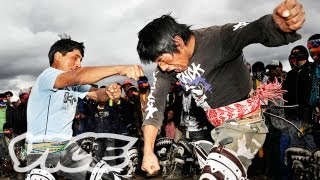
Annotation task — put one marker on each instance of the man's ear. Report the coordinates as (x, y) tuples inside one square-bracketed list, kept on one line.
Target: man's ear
[(179, 42), (57, 56)]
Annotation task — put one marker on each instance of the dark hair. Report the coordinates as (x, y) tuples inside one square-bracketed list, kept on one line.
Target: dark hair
[(95, 86), (315, 36), (258, 65), (8, 93), (6, 126), (165, 115), (157, 38), (63, 46)]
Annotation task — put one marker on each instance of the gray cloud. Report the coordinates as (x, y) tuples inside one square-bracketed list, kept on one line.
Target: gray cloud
[(109, 30)]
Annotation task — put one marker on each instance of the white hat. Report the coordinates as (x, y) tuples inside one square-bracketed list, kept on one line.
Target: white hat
[(274, 63)]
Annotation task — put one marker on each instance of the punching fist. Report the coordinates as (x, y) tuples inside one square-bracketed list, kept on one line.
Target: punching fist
[(114, 91), (289, 15), (132, 71)]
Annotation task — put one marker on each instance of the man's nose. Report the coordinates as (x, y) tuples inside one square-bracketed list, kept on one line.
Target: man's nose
[(163, 67), (78, 64)]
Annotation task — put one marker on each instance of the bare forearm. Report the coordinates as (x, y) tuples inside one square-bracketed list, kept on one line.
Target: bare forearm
[(89, 75), (150, 133), (99, 95)]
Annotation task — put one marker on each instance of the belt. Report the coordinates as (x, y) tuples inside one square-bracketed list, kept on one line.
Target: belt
[(239, 110), (52, 147)]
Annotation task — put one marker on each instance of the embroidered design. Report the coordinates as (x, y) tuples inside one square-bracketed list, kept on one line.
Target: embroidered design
[(151, 99), (240, 25), (270, 92)]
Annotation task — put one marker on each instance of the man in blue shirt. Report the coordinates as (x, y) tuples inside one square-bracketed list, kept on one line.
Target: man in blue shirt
[(53, 101)]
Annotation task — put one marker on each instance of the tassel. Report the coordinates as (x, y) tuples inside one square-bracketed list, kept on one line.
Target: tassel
[(271, 92)]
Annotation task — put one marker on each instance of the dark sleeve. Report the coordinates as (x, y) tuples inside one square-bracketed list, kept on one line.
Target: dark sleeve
[(9, 116), (236, 36), (157, 98), (137, 117)]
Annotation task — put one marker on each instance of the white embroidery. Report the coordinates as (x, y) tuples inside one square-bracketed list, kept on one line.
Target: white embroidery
[(240, 25), (151, 99)]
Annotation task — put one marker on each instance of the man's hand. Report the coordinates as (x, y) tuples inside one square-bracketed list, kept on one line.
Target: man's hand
[(289, 15), (114, 91), (150, 163), (132, 71)]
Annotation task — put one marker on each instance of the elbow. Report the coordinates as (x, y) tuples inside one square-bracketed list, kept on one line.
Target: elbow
[(79, 78)]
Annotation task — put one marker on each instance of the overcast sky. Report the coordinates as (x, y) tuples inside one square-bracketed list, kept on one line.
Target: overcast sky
[(109, 30)]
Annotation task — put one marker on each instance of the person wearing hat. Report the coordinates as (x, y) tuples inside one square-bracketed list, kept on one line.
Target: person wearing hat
[(275, 72), (144, 90), (313, 46), (298, 85)]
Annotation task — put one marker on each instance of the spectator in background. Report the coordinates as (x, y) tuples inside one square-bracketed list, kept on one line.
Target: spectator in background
[(258, 74), (276, 72), (126, 84), (298, 85), (258, 163), (272, 146), (3, 105), (12, 113), (8, 95), (144, 90), (170, 123), (21, 126), (292, 61), (313, 45)]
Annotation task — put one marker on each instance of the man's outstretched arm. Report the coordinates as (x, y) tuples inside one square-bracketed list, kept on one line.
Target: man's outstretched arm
[(150, 161), (90, 75)]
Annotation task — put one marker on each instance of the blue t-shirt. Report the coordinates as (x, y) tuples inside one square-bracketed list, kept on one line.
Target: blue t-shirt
[(51, 111)]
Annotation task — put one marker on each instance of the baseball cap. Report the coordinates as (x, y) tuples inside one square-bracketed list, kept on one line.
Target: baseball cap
[(273, 64)]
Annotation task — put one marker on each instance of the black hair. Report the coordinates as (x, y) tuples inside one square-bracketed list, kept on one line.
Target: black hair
[(157, 38), (8, 93), (63, 46), (165, 115), (258, 65), (6, 126), (95, 86), (315, 36)]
